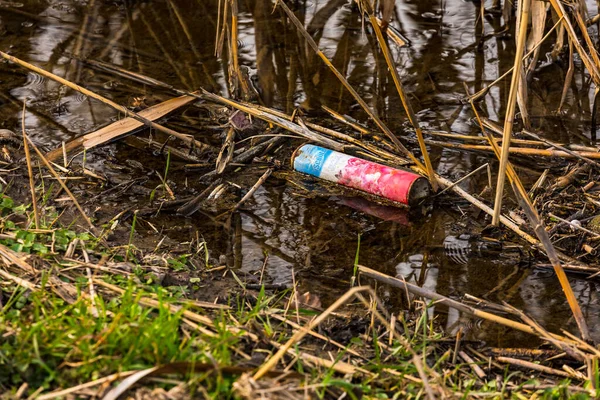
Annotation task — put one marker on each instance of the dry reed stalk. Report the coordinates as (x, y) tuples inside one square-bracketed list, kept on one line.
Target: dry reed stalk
[(19, 281), (510, 110), (347, 85), (522, 82), (372, 149), (226, 153), (36, 214), (124, 127), (538, 226), (235, 72), (539, 10), (300, 333), (102, 381), (337, 366), (575, 154), (391, 157), (345, 120), (275, 120), (591, 67), (472, 364), (401, 92), (495, 128), (183, 137), (586, 36), (61, 182), (568, 77), (534, 367), (486, 89), (419, 291), (220, 37), (563, 153), (469, 138), (392, 34), (253, 189)]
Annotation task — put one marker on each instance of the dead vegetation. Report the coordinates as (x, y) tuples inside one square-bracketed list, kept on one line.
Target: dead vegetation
[(557, 215)]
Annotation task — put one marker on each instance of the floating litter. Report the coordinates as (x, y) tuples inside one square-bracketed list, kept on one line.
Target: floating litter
[(381, 180)]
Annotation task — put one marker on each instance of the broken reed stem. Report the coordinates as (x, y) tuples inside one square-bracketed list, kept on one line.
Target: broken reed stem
[(399, 87), (267, 114), (486, 89), (586, 35), (510, 110), (538, 227), (534, 367), (421, 292), (347, 85), (238, 80), (355, 292), (304, 330), (592, 69), (36, 214), (561, 151), (505, 220), (183, 137), (254, 188), (60, 181)]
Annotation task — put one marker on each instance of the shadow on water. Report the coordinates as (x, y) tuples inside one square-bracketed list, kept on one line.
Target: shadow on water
[(287, 229)]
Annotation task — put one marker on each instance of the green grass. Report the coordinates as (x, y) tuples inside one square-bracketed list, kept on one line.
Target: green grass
[(51, 344)]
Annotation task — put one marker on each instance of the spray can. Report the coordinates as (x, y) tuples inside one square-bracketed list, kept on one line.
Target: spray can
[(381, 180)]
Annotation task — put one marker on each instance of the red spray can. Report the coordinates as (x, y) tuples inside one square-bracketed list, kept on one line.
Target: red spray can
[(381, 180)]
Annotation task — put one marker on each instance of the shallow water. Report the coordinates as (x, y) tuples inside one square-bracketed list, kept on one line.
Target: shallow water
[(286, 229)]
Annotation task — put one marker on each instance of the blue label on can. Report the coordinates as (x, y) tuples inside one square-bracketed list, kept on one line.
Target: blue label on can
[(310, 159)]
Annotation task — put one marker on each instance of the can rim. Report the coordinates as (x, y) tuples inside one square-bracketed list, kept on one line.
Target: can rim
[(409, 200), (295, 154)]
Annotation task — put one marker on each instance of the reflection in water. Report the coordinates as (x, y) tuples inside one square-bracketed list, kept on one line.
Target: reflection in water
[(286, 227)]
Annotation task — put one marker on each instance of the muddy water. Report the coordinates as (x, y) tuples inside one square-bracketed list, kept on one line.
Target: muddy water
[(286, 229)]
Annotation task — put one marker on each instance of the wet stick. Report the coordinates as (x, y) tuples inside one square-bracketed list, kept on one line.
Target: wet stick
[(183, 137), (254, 188), (347, 85), (510, 110), (34, 204), (399, 87)]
